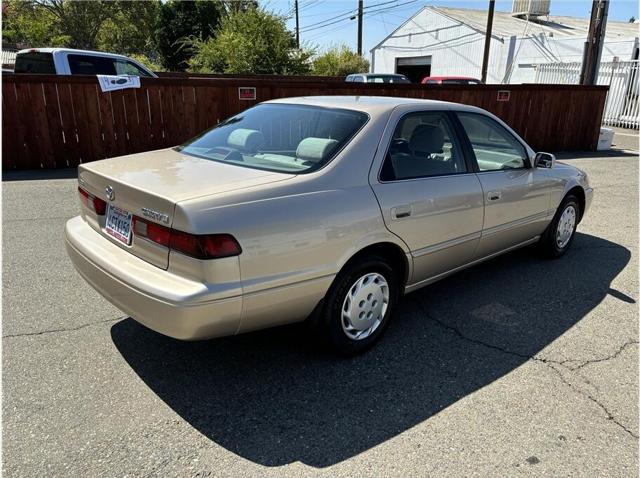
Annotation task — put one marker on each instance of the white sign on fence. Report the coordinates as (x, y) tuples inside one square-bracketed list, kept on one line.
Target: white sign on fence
[(115, 82)]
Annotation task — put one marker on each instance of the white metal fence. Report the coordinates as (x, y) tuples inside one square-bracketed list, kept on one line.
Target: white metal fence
[(623, 78), (8, 57)]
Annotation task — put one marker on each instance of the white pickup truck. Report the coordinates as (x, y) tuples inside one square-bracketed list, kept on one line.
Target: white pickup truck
[(66, 61)]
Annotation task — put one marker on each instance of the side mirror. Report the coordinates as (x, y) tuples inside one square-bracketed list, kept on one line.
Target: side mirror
[(544, 160)]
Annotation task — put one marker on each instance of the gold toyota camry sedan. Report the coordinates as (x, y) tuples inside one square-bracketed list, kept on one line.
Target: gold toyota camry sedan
[(320, 208)]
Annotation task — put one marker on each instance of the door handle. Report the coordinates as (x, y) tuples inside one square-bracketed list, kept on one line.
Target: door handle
[(494, 195), (399, 212)]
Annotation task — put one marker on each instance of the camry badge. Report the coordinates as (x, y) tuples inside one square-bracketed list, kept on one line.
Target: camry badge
[(155, 215), (111, 194)]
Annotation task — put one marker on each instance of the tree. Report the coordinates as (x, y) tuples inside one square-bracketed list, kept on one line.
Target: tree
[(131, 28), (339, 61), (179, 22), (118, 26), (80, 21), (250, 41), (26, 23)]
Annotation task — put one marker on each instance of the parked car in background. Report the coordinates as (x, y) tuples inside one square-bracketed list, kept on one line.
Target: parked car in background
[(377, 78), (450, 80), (324, 207), (66, 61)]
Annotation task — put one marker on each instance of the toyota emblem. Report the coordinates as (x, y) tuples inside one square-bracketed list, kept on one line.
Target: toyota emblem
[(111, 194)]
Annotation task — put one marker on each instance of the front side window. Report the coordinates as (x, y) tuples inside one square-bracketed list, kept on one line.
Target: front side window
[(494, 147), (279, 137), (423, 145), (124, 67)]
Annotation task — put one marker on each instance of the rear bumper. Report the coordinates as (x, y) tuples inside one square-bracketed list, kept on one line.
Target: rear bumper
[(164, 302)]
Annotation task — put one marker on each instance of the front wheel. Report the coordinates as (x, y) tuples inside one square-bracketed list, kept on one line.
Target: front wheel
[(559, 234), (359, 305)]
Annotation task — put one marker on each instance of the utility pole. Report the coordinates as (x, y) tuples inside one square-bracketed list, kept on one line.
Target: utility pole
[(487, 40), (595, 42), (360, 27), (297, 26)]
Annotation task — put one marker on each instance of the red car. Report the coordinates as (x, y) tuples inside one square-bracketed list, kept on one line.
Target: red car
[(450, 80)]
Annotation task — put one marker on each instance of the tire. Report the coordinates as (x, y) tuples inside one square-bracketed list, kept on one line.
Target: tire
[(353, 334), (554, 242)]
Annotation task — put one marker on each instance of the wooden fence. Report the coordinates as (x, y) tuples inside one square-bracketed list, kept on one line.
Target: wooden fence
[(61, 121)]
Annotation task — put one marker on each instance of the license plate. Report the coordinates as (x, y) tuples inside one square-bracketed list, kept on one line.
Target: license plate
[(119, 224)]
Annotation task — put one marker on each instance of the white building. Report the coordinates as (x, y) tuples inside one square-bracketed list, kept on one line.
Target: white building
[(441, 41)]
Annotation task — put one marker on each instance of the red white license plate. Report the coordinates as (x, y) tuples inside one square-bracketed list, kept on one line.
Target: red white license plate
[(119, 224)]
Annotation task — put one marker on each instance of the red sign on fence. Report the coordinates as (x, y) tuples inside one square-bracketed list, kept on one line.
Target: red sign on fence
[(246, 93), (503, 95)]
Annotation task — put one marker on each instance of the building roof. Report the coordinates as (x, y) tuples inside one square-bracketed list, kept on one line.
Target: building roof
[(505, 25)]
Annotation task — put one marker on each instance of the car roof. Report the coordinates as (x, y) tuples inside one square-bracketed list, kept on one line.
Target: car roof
[(375, 74), (368, 104), (450, 78), (72, 50)]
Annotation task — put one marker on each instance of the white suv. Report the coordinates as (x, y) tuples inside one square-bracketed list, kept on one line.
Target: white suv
[(66, 61)]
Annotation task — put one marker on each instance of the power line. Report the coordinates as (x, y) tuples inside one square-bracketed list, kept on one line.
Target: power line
[(350, 16)]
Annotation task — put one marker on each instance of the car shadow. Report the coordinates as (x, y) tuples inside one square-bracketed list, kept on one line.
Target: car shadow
[(276, 397)]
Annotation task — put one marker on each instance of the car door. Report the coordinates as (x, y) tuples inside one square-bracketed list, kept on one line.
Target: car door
[(428, 194), (516, 195)]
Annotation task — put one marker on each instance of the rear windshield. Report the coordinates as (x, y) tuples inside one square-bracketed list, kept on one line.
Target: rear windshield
[(278, 137), (35, 62)]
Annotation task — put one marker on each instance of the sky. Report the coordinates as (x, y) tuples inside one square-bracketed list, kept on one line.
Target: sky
[(325, 23)]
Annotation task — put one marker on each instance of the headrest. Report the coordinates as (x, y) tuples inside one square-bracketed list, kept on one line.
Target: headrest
[(246, 139), (315, 149), (427, 138)]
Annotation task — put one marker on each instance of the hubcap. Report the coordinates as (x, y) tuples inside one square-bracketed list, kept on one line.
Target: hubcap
[(566, 225), (364, 306)]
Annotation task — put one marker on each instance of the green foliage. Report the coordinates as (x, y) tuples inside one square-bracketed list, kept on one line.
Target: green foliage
[(80, 21), (146, 61), (250, 41), (116, 26), (178, 21), (131, 28), (339, 61), (28, 24)]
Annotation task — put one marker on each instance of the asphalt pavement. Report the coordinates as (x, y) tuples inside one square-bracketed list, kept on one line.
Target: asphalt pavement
[(518, 366)]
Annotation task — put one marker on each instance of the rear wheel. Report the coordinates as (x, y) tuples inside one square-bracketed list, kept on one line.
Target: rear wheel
[(359, 305), (559, 234)]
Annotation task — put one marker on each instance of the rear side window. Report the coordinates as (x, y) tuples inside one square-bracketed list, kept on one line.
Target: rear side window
[(91, 65), (35, 62), (423, 145), (386, 79)]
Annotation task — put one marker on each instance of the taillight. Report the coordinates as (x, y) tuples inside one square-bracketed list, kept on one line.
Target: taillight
[(152, 231), (207, 246), (92, 202)]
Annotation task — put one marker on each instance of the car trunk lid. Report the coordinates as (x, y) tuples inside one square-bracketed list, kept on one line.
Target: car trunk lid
[(148, 185)]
